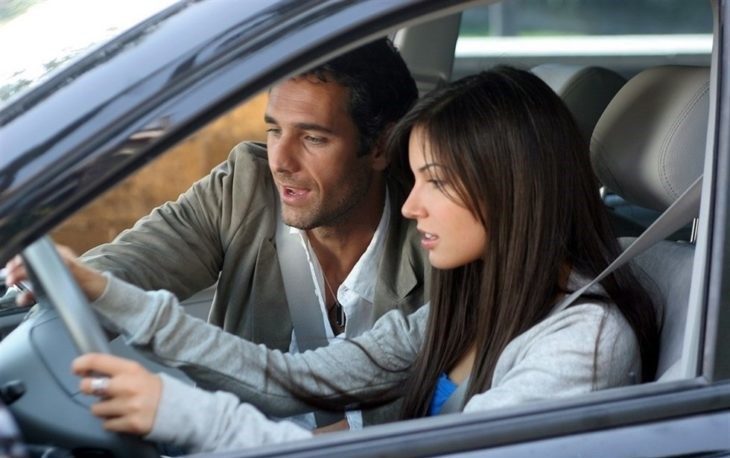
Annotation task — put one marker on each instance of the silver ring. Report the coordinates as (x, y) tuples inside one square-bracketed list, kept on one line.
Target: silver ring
[(99, 386)]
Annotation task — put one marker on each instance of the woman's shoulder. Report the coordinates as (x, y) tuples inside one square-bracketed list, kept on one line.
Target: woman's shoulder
[(593, 315), (575, 350), (594, 328), (575, 325), (586, 313)]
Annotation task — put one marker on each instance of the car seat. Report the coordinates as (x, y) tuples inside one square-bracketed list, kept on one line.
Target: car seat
[(585, 90), (648, 147)]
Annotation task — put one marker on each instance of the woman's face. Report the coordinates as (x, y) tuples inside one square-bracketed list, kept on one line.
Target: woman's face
[(450, 232)]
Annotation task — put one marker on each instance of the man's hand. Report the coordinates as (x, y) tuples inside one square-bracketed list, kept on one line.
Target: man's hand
[(129, 396), (91, 282)]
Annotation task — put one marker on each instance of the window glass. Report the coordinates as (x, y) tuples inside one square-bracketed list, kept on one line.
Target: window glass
[(624, 35), (39, 36), (588, 17), (163, 179)]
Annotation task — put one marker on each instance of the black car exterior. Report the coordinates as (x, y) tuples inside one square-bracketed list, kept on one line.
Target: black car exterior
[(97, 121)]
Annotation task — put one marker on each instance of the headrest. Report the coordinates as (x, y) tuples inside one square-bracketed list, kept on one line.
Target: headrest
[(649, 145), (585, 90)]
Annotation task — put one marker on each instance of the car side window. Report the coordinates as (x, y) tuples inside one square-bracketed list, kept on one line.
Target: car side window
[(163, 179), (636, 35), (561, 40)]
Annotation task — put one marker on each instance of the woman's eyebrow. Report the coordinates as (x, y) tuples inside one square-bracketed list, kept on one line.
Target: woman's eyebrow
[(430, 165)]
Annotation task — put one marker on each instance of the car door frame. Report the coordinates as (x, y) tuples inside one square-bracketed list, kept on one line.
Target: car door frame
[(685, 417), (706, 396)]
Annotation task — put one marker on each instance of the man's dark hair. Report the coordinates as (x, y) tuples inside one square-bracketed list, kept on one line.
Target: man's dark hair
[(381, 88)]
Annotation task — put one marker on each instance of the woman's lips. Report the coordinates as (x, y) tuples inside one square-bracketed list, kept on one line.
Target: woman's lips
[(428, 240)]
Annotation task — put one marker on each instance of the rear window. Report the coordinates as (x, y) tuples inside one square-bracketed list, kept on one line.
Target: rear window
[(625, 36)]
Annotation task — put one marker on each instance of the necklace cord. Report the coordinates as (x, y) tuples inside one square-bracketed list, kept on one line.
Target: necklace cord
[(340, 318)]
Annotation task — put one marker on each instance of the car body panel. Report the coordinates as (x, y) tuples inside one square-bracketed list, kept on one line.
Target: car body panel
[(100, 119), (572, 426), (716, 354)]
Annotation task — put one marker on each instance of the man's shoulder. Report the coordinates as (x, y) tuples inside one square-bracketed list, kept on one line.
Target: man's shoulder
[(247, 168), (404, 268), (250, 152), (241, 185), (403, 235), (405, 231)]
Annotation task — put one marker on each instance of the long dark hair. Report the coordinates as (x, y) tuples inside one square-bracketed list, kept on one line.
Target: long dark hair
[(518, 162)]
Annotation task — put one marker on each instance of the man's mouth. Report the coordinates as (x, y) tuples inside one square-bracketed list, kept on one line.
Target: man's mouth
[(291, 195), (293, 192)]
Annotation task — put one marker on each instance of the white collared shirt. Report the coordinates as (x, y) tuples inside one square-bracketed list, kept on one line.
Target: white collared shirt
[(356, 295)]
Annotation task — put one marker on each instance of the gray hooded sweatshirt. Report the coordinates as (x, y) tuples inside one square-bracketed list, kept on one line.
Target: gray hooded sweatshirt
[(575, 350)]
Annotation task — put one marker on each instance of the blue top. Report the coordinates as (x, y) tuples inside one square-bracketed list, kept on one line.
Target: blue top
[(444, 389)]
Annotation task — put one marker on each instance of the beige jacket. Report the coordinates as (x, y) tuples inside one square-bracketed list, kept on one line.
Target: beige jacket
[(225, 224), (223, 228)]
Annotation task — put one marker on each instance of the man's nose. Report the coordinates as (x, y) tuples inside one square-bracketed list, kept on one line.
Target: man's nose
[(282, 155)]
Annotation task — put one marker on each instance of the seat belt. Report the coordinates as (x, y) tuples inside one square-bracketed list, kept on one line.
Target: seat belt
[(681, 212), (304, 309)]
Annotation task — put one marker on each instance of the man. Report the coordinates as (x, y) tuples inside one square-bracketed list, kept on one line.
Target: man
[(328, 187)]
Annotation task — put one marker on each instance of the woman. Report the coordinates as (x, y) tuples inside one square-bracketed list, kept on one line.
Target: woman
[(512, 221)]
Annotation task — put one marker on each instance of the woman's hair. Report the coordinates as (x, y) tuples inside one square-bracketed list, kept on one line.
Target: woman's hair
[(516, 159)]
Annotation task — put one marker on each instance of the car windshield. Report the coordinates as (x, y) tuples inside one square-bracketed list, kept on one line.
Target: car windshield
[(40, 36)]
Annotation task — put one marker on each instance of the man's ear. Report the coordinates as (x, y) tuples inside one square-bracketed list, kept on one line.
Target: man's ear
[(379, 154)]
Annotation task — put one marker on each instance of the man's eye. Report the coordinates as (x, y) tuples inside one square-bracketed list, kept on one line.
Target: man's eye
[(315, 140), (273, 131)]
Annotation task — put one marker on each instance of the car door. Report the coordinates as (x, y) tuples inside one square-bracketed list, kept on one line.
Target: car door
[(683, 417), (689, 416)]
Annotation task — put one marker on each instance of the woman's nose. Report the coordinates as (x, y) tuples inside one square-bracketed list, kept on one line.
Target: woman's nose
[(412, 208)]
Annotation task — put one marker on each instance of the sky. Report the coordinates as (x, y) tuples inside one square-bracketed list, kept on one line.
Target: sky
[(53, 29)]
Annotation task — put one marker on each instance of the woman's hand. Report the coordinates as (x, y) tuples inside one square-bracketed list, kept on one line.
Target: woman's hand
[(91, 281), (129, 397), (342, 425)]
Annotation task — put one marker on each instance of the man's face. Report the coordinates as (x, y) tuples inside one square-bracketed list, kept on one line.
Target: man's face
[(313, 153)]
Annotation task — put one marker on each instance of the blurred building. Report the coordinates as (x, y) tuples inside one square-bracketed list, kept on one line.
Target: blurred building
[(164, 179)]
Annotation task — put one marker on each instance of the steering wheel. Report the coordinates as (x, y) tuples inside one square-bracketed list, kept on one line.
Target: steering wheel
[(38, 355)]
